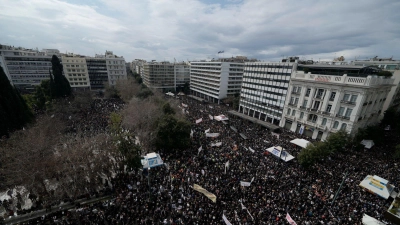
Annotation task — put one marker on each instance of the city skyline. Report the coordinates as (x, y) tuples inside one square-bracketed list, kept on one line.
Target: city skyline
[(199, 29)]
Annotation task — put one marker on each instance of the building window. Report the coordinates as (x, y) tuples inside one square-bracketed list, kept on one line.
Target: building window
[(323, 122), (333, 94), (301, 115), (335, 124), (341, 111), (313, 118), (348, 112), (328, 109), (296, 101), (288, 111), (305, 103), (346, 97), (343, 127), (308, 92), (293, 112), (353, 98)]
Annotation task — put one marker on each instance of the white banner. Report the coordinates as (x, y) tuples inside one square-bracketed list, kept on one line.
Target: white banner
[(199, 120), (212, 134), (290, 220), (201, 148), (216, 144), (211, 117), (208, 130), (210, 106), (245, 184), (226, 220), (252, 150), (191, 133), (184, 105), (226, 165)]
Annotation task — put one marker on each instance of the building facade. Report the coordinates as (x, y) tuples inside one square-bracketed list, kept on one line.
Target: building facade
[(323, 99), (76, 71), (182, 74), (264, 90), (217, 79), (159, 75), (116, 68), (26, 68), (393, 66), (97, 70)]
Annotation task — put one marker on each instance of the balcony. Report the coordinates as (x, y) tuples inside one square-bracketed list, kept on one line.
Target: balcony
[(348, 102), (312, 121), (292, 104), (296, 92), (326, 113), (313, 109), (343, 117), (303, 107), (332, 99), (307, 95)]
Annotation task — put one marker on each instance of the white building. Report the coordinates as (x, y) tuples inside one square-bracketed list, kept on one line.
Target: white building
[(116, 68), (264, 90), (76, 71), (392, 66), (26, 68), (218, 79), (326, 98)]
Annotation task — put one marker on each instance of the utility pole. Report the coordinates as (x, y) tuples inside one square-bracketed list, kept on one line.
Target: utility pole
[(340, 187)]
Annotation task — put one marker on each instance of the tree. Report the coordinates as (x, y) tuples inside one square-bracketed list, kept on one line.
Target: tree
[(186, 88), (397, 152), (391, 117), (172, 134), (61, 86), (385, 73), (313, 153), (14, 112), (337, 141), (167, 109)]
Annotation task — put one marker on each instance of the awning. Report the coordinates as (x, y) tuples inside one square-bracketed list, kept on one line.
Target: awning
[(300, 142), (367, 220), (377, 185)]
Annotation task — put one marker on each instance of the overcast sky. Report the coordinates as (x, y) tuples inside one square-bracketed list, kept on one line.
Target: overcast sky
[(198, 29)]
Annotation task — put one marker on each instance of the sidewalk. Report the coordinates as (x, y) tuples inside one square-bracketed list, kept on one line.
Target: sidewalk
[(39, 213)]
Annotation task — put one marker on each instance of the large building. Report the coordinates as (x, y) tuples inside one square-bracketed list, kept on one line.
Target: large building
[(116, 68), (393, 66), (76, 71), (182, 74), (97, 69), (26, 68), (217, 79), (264, 89), (159, 75), (326, 98)]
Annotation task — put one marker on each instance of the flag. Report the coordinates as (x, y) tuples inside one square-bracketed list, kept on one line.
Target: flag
[(252, 179), (290, 220), (208, 130), (211, 117), (226, 165), (243, 207), (201, 148), (252, 150), (209, 195), (226, 220), (301, 130), (199, 120)]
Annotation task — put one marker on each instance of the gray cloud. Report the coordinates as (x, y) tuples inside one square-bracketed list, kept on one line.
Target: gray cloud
[(193, 29)]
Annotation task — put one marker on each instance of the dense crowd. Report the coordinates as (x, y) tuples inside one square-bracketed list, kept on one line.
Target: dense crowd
[(165, 195)]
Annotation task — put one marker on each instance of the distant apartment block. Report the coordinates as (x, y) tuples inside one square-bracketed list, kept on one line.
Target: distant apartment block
[(116, 68), (182, 74), (264, 90), (26, 68), (97, 70), (76, 72), (159, 75), (324, 99), (217, 79)]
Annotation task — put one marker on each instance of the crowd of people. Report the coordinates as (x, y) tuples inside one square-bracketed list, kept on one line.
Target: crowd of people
[(165, 194)]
